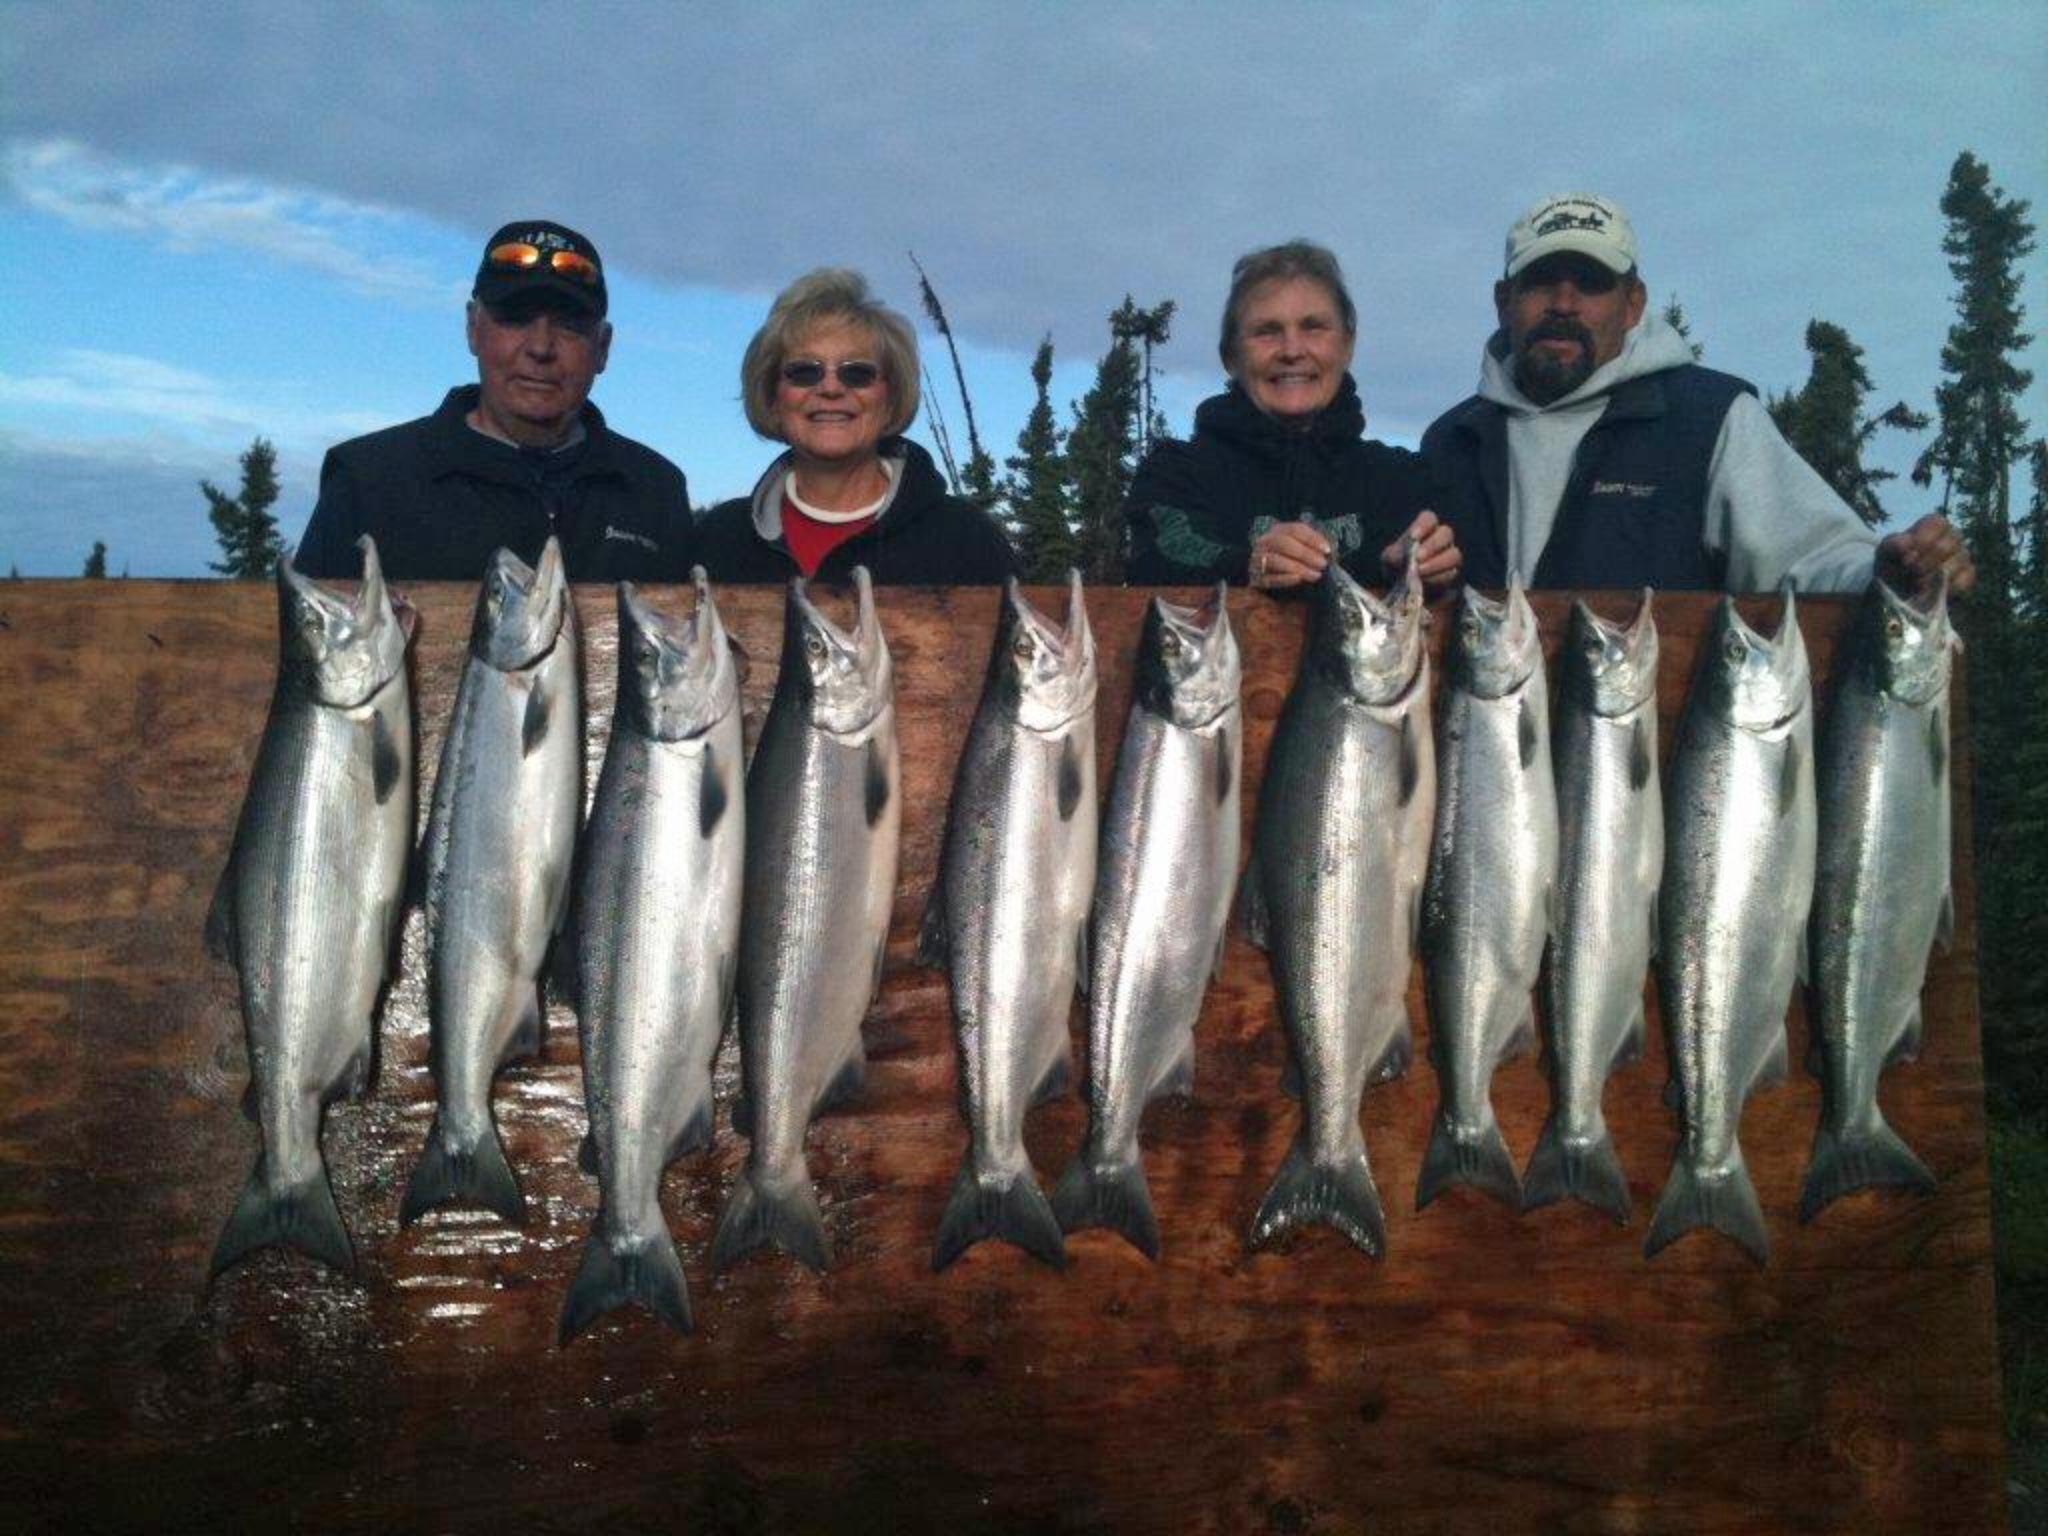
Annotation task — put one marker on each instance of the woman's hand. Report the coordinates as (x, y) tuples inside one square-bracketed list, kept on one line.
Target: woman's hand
[(1437, 557), (1287, 555)]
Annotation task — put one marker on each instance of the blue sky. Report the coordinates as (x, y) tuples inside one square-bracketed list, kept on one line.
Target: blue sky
[(230, 220)]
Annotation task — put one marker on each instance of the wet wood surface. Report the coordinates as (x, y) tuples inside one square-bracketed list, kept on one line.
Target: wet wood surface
[(1494, 1372)]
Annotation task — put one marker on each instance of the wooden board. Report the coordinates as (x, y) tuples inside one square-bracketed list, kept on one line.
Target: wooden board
[(1495, 1372)]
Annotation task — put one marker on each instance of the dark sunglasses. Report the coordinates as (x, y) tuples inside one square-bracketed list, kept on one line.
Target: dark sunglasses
[(809, 373), (518, 256)]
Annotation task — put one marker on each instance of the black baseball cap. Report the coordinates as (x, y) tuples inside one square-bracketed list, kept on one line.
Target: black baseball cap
[(536, 256)]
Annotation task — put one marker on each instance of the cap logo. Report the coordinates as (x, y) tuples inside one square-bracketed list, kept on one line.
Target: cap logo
[(546, 240), (1565, 219)]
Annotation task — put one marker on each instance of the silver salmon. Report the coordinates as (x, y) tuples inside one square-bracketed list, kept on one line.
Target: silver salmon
[(1487, 906), (1610, 857), (1164, 882), (656, 927), (1738, 881), (309, 905), (824, 806), (501, 837), (1334, 884), (1009, 912), (1881, 896)]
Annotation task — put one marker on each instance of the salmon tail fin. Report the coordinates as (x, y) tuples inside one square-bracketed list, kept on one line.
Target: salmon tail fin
[(1590, 1172), (1340, 1195), (302, 1216), (764, 1213), (1870, 1157), (1481, 1161), (613, 1274), (1112, 1195), (1015, 1210), (453, 1171), (1726, 1202)]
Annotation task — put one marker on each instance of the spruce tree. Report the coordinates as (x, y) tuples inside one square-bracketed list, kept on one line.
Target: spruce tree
[(243, 524), (96, 562), (1674, 316), (2016, 1049), (1823, 419), (1102, 451), (1149, 328), (1980, 436), (1037, 488)]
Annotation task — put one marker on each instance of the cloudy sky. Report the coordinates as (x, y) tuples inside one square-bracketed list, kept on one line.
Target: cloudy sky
[(228, 220)]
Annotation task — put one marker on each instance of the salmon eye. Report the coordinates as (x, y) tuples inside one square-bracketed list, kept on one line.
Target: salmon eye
[(814, 645), (1022, 646), (1733, 648)]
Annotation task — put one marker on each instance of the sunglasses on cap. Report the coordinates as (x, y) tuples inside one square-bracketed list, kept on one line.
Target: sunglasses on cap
[(520, 256), (809, 373)]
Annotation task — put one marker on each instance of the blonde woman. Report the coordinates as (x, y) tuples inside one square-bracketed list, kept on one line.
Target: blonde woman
[(833, 374)]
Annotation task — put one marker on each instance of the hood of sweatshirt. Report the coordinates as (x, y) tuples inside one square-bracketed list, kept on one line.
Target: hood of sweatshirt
[(1651, 346)]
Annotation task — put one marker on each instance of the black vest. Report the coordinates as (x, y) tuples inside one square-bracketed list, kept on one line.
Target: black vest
[(1633, 511)]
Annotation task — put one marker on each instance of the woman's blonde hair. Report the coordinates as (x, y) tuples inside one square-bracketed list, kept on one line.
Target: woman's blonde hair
[(826, 297)]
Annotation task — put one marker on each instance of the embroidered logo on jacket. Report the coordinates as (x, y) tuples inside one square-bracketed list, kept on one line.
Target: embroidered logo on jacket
[(1628, 488), (627, 536), (1345, 533)]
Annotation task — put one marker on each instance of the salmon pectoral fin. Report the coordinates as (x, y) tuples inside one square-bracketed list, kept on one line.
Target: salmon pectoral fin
[(1252, 914), (933, 943)]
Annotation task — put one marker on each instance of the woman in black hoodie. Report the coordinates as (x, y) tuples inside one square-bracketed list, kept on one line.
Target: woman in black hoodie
[(1279, 477), (833, 374)]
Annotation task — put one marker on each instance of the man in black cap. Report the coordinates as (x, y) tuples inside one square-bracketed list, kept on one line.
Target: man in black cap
[(516, 456)]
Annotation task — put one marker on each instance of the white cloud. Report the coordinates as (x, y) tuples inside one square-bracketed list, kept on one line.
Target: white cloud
[(190, 210), (92, 384)]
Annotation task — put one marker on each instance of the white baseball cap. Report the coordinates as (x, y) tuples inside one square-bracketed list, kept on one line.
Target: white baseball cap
[(1573, 221)]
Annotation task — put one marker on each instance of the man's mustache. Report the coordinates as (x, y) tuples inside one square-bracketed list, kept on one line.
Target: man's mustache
[(1560, 330)]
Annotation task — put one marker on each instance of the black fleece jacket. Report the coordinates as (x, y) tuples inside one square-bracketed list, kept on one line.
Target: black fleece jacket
[(440, 498), (1195, 507), (924, 537)]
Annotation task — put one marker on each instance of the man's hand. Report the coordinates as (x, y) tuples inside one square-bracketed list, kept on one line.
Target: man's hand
[(1437, 556), (1288, 554), (1910, 561)]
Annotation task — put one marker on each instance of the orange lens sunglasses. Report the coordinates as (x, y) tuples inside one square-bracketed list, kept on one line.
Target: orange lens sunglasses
[(570, 264)]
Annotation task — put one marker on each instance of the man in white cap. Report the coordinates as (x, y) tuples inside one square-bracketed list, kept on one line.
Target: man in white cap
[(1597, 453)]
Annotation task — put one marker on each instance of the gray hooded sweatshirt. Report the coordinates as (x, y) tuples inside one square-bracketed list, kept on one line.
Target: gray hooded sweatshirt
[(1769, 515)]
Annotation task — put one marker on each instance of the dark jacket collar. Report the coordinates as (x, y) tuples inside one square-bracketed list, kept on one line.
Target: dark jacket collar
[(458, 448), (919, 488), (1232, 416)]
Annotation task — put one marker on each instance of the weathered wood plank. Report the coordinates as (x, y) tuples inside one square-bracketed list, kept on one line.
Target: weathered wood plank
[(1494, 1372)]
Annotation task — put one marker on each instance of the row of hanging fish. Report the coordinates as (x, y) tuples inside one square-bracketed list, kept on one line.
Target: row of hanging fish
[(706, 891), (1733, 873)]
